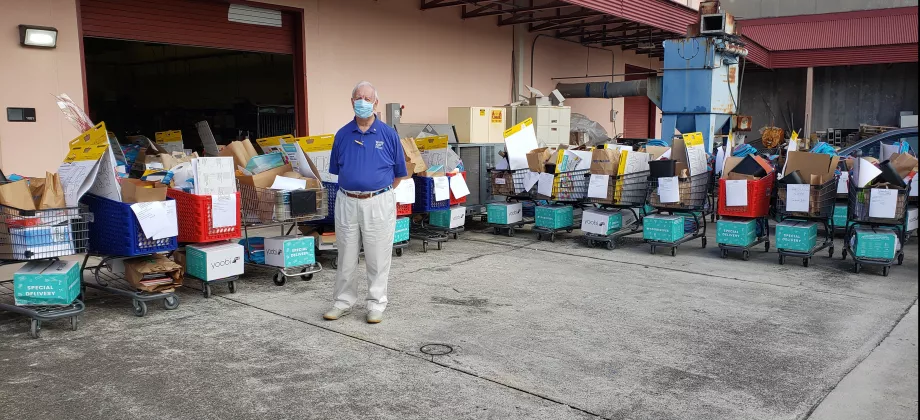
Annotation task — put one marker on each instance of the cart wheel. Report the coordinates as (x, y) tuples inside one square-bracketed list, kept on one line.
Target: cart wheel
[(766, 246), (724, 253), (140, 308), (539, 236), (886, 270), (746, 255), (279, 279), (843, 254), (552, 238), (805, 262), (35, 329), (704, 242), (901, 259), (206, 290), (172, 301), (653, 250), (569, 230), (74, 323), (495, 231), (456, 235), (857, 268), (782, 260), (611, 245), (398, 252), (511, 232), (830, 252), (334, 264), (308, 277), (232, 286), (674, 252), (439, 246), (425, 246)]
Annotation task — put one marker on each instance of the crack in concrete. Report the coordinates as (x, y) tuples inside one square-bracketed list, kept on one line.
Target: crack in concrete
[(831, 388), (421, 357)]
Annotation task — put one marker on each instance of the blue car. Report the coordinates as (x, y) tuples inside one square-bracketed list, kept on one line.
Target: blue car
[(871, 146)]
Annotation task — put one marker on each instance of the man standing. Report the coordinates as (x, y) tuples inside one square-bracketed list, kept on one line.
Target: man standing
[(368, 158)]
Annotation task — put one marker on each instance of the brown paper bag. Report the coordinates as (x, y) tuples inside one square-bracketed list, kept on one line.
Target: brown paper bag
[(17, 195), (605, 161), (904, 164), (52, 193), (414, 161), (536, 159)]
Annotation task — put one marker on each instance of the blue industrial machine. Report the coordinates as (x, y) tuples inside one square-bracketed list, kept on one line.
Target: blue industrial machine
[(699, 87)]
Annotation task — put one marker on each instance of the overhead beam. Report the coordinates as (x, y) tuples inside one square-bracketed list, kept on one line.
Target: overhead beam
[(576, 28), (515, 10), (514, 20), (434, 4), (491, 6)]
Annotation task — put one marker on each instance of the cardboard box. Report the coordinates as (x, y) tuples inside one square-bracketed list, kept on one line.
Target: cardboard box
[(141, 269), (880, 244), (264, 179), (137, 191), (47, 283), (504, 213), (601, 222), (290, 251), (736, 232), (402, 230), (502, 183), (912, 222), (537, 158), (663, 228), (451, 218), (554, 216), (814, 168), (794, 235), (840, 215), (215, 261)]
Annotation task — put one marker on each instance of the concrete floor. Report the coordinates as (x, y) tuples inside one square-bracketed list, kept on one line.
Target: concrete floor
[(539, 330)]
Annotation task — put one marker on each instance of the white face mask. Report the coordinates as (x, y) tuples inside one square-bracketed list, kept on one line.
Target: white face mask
[(364, 109)]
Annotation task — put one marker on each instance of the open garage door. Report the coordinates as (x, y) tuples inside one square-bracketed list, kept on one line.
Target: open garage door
[(199, 23)]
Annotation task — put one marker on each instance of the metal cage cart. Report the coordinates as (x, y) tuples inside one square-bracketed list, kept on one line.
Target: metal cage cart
[(115, 234), (821, 211), (193, 213), (425, 202), (568, 188), (759, 193), (404, 210), (509, 184), (694, 195), (40, 235), (858, 213), (624, 192), (422, 232), (266, 208)]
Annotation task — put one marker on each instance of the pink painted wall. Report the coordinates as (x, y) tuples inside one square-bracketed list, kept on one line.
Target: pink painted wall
[(28, 77)]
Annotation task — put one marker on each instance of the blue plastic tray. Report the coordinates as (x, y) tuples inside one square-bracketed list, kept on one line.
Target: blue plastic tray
[(115, 231)]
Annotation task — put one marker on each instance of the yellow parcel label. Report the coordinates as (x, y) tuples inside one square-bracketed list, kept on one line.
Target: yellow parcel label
[(511, 131), (320, 143), (431, 143), (89, 146), (172, 136)]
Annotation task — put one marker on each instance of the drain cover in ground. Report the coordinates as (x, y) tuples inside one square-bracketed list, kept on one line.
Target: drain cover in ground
[(436, 349)]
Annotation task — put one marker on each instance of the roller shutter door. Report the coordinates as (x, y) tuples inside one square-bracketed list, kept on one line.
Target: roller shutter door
[(201, 23), (637, 111)]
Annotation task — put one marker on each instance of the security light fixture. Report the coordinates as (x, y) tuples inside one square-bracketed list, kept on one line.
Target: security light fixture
[(37, 36)]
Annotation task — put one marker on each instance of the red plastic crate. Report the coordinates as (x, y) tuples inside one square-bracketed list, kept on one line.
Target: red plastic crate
[(453, 200), (194, 216), (403, 209), (759, 192)]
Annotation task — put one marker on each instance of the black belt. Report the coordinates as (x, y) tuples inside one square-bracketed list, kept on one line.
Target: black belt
[(363, 196)]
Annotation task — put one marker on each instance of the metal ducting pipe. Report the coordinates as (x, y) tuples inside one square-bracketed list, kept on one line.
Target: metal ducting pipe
[(605, 90)]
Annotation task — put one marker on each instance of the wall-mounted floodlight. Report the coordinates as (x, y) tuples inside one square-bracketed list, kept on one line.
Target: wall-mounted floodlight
[(37, 36)]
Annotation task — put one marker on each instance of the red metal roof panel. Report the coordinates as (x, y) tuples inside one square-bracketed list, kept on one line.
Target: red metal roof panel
[(662, 14), (850, 56)]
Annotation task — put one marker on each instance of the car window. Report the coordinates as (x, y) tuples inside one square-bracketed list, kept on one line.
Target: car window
[(874, 149)]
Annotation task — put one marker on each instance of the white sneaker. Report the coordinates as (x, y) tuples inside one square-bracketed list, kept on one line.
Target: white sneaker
[(374, 317), (335, 313)]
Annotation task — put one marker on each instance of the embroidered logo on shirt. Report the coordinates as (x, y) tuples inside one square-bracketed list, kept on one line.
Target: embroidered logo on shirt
[(379, 144)]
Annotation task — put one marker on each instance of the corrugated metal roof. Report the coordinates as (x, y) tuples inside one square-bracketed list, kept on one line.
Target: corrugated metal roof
[(851, 56), (834, 30), (662, 14)]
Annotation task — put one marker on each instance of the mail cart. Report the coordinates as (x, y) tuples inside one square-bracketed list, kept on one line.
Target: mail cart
[(505, 217), (263, 208), (426, 202), (800, 209), (46, 288), (624, 193), (876, 232), (195, 217), (115, 235), (679, 217), (744, 217), (568, 190)]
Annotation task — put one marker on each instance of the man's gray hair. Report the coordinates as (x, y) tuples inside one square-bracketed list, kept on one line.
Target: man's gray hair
[(362, 84)]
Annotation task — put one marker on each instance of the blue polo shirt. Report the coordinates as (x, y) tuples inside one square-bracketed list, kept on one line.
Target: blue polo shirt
[(367, 161)]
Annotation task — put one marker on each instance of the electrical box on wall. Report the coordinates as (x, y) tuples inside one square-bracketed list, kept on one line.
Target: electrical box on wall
[(20, 114)]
